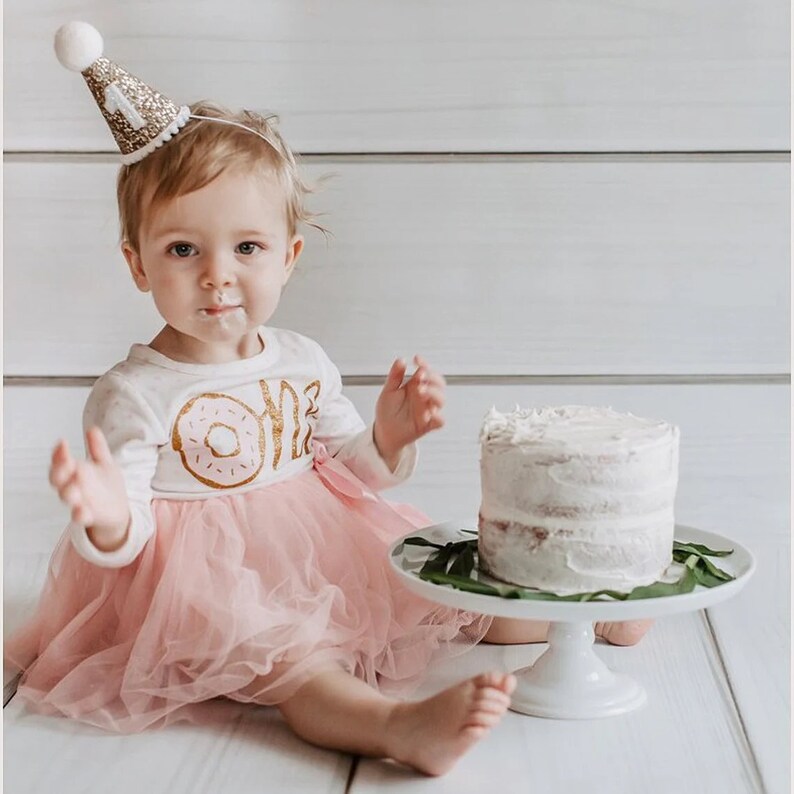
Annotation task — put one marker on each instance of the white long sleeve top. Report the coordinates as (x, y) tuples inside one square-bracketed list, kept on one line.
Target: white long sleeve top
[(194, 431)]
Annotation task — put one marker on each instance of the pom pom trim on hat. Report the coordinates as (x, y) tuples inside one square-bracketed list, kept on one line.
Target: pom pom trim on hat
[(78, 45), (166, 135)]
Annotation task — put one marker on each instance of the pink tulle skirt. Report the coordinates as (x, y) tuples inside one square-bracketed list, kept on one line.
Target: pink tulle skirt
[(241, 596)]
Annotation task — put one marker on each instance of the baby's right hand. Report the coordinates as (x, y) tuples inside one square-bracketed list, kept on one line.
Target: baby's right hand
[(93, 489)]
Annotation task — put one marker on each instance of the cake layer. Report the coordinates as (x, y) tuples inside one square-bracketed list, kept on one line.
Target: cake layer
[(566, 561)]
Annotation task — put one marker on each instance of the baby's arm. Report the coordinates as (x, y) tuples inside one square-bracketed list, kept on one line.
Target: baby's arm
[(110, 493), (357, 445), (94, 490), (407, 411)]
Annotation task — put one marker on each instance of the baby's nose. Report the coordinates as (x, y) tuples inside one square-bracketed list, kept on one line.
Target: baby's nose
[(217, 273)]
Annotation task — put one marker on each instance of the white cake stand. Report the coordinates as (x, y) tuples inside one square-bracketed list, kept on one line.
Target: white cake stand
[(569, 681)]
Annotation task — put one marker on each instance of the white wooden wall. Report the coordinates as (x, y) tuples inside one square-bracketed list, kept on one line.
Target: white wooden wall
[(555, 202)]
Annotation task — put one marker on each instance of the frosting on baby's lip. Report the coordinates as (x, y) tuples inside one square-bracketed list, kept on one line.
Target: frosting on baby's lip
[(222, 300), (221, 310), (581, 426)]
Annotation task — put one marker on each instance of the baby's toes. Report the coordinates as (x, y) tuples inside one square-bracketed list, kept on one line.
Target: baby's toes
[(502, 682), (490, 679), (474, 732), (492, 701), (481, 719), (486, 712)]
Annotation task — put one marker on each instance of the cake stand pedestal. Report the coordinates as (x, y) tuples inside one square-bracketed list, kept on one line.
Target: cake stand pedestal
[(570, 681)]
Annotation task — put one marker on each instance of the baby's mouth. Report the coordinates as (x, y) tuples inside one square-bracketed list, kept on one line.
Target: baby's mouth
[(223, 305), (219, 311)]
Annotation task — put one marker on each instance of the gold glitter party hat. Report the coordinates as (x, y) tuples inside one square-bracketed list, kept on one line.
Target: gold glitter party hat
[(140, 118)]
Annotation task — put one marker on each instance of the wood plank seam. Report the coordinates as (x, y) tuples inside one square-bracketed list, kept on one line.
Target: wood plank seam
[(738, 713), (10, 689), (772, 379), (736, 156), (351, 775)]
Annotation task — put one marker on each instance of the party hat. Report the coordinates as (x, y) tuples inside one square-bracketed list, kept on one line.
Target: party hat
[(140, 118)]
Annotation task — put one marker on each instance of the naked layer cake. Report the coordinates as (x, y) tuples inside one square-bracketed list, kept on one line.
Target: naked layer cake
[(576, 499)]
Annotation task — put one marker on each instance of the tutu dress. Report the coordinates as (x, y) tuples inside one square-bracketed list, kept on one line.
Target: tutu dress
[(256, 554)]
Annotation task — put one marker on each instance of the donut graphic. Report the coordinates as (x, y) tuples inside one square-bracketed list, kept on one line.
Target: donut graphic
[(221, 441)]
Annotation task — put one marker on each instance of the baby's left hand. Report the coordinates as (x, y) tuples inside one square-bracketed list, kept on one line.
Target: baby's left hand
[(407, 411)]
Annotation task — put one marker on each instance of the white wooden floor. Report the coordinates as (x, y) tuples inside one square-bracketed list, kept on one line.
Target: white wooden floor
[(690, 736)]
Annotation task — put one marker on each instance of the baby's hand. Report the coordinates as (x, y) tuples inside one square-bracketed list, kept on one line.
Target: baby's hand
[(93, 489), (407, 411)]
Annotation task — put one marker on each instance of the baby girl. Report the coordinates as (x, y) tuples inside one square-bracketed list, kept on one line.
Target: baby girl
[(226, 535)]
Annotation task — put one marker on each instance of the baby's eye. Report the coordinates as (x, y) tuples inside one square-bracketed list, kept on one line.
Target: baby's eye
[(182, 250), (248, 248)]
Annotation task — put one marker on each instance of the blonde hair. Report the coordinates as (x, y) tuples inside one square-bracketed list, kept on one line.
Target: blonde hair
[(199, 153)]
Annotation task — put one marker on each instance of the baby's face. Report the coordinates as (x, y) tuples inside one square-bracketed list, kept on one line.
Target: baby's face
[(216, 261)]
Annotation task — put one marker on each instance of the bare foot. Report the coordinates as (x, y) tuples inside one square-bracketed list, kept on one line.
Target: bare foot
[(627, 632), (432, 734)]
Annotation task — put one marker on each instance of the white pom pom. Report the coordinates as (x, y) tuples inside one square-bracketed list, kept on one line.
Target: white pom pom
[(78, 45)]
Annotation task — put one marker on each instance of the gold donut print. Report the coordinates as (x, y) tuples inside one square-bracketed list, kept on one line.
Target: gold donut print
[(221, 441), (195, 439)]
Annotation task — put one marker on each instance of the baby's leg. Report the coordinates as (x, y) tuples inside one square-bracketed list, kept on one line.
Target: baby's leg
[(338, 711), (510, 631)]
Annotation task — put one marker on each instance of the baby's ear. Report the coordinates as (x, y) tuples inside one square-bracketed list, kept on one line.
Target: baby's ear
[(293, 254), (135, 266)]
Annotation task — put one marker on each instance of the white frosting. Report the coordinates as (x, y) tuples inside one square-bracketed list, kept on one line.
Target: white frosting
[(576, 498)]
